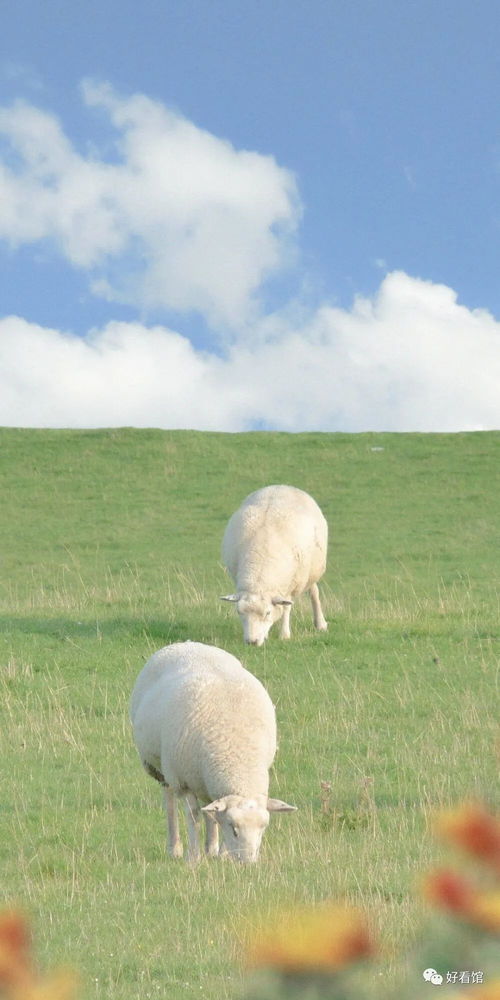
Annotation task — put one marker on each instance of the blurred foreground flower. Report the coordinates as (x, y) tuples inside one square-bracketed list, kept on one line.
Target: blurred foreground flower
[(314, 953), (320, 939), (14, 950), (453, 893), (18, 980), (473, 829)]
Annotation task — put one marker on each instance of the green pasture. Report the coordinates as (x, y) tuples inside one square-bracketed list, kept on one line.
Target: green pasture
[(110, 548)]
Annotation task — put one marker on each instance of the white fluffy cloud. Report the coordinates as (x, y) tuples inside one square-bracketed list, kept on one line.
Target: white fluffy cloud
[(169, 216), (172, 217), (411, 358)]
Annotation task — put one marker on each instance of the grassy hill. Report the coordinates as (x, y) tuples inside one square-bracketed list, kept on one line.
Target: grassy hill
[(110, 545)]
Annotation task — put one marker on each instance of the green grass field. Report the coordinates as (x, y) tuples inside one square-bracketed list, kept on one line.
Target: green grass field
[(110, 545)]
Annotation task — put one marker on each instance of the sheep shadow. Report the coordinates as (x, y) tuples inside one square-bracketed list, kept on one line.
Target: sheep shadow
[(74, 629)]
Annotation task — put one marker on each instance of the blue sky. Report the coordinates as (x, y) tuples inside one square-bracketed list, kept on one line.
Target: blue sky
[(228, 215)]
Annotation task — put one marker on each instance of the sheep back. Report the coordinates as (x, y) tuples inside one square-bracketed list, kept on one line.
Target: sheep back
[(203, 722), (276, 542)]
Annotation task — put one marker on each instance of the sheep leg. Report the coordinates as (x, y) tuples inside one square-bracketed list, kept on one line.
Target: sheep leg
[(285, 622), (193, 816), (174, 845), (211, 836), (319, 619)]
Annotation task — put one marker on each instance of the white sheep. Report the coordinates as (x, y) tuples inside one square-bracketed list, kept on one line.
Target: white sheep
[(274, 547), (205, 728)]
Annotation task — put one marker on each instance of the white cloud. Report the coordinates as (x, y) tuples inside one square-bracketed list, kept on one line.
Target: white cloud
[(174, 218), (411, 358)]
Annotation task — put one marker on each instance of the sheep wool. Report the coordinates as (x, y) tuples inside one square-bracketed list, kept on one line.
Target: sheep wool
[(205, 728), (275, 548)]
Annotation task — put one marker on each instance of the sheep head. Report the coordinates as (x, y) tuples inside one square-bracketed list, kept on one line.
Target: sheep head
[(243, 822), (258, 612)]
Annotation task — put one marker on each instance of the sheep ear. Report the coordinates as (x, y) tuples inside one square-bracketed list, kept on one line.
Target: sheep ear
[(231, 597), (217, 806), (281, 600), (276, 805)]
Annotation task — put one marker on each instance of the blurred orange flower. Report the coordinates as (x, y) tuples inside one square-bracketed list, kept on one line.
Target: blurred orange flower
[(323, 939), (17, 977), (452, 892), (449, 890), (487, 910), (15, 965), (473, 828)]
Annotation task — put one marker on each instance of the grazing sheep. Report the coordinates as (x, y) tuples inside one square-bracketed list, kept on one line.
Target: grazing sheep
[(274, 547), (205, 728)]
